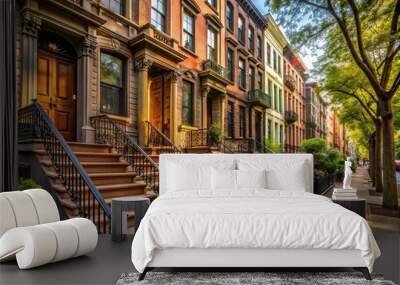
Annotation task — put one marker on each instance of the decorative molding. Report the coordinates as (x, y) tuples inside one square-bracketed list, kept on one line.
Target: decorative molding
[(213, 20), (205, 90), (192, 6), (173, 76), (31, 24), (115, 44), (143, 64), (88, 46)]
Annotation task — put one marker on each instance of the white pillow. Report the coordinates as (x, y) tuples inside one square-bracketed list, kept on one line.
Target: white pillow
[(251, 178), (183, 177), (277, 179), (224, 179)]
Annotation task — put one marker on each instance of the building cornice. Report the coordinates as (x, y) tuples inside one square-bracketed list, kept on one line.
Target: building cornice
[(253, 12)]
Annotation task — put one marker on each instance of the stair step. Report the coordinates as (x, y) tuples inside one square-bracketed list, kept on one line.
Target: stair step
[(87, 147), (96, 167), (89, 156)]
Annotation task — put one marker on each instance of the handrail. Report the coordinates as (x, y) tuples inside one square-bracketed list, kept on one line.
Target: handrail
[(108, 132), (157, 138), (72, 175)]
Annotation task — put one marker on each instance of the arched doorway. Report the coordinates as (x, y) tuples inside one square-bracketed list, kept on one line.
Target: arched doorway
[(56, 82)]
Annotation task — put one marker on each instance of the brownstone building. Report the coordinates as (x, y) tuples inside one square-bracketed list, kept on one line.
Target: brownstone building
[(294, 93), (315, 112), (153, 66), (245, 116)]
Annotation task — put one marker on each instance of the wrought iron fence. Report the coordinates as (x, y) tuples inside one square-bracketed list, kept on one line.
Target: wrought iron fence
[(34, 122), (323, 184), (157, 139), (211, 65), (292, 148), (197, 138), (240, 145), (291, 117), (108, 132)]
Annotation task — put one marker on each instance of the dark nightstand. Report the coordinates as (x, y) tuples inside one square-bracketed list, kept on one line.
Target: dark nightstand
[(358, 206)]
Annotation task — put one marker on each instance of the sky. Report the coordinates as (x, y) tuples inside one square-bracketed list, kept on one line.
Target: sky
[(308, 56)]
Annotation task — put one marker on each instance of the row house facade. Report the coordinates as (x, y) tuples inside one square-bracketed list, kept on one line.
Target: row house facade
[(315, 112), (337, 137), (294, 94), (274, 43), (146, 64), (246, 99)]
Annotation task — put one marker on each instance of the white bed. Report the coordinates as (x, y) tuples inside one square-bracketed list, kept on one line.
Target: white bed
[(218, 224)]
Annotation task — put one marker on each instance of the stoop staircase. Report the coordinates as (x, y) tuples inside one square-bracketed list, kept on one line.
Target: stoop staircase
[(85, 177)]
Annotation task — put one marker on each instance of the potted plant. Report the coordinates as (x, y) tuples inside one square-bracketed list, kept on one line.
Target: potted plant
[(215, 135)]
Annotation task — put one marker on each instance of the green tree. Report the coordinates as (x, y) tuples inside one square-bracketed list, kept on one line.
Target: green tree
[(370, 31)]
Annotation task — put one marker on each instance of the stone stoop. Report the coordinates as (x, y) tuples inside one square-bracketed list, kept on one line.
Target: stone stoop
[(109, 172)]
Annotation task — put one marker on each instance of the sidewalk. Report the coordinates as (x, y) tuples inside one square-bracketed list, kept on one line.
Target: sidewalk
[(362, 182)]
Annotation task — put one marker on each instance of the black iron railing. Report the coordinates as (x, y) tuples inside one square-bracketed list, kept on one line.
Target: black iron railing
[(240, 145), (34, 122), (197, 138), (259, 97), (157, 139), (215, 67), (290, 82), (108, 132), (323, 184), (291, 117)]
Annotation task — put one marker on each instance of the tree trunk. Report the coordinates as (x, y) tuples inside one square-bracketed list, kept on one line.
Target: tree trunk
[(378, 158), (389, 172), (371, 154)]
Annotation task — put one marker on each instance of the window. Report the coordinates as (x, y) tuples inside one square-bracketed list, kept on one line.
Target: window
[(251, 38), (270, 88), (158, 12), (268, 54), (188, 30), (251, 78), (114, 5), (276, 100), (112, 91), (280, 101), (275, 60), (212, 3), (211, 45), (279, 65), (242, 122), (280, 134), (230, 125), (276, 133), (229, 17), (241, 30), (270, 134), (187, 103), (242, 77), (259, 47), (230, 64), (260, 81)]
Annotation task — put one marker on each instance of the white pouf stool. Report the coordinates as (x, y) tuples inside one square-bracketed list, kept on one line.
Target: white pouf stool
[(31, 230)]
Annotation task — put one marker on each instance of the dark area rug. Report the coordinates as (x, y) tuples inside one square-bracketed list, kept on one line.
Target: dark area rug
[(243, 278)]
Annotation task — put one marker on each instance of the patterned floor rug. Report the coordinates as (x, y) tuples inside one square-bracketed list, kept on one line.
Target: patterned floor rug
[(244, 278)]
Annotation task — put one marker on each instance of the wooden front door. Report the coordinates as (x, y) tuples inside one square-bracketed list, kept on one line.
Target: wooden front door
[(56, 91)]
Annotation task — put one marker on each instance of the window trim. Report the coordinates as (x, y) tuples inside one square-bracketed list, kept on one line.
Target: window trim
[(230, 28), (216, 32), (193, 93), (250, 43), (244, 73), (243, 39), (122, 7), (232, 127), (193, 16), (164, 15), (231, 70), (123, 108)]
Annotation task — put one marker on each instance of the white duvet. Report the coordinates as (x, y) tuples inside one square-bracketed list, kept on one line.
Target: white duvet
[(253, 218)]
